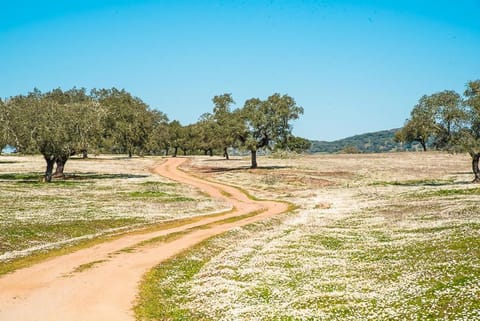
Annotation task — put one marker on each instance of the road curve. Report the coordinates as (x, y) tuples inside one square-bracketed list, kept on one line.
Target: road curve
[(52, 290)]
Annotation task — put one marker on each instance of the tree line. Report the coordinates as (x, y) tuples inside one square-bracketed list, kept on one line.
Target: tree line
[(448, 121), (59, 124)]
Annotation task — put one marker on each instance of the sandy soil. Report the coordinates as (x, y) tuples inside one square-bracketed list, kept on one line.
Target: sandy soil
[(54, 290)]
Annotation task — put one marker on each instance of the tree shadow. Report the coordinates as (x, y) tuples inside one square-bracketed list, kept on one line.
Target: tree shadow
[(37, 176), (97, 176), (224, 160), (210, 170)]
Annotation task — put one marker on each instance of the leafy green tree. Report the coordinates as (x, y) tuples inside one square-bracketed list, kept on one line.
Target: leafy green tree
[(188, 140), (175, 136), (456, 122), (268, 122), (298, 144), (158, 140), (39, 123), (229, 124), (420, 127), (467, 138), (87, 116), (206, 130), (128, 122), (449, 115), (435, 117)]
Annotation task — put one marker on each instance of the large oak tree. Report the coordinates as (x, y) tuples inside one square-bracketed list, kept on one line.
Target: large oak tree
[(41, 123)]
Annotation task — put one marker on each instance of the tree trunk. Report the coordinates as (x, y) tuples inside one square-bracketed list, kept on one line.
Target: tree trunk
[(205, 152), (60, 161), (210, 152), (48, 172), (476, 170), (225, 153), (84, 153), (254, 159), (129, 154), (175, 150), (424, 145)]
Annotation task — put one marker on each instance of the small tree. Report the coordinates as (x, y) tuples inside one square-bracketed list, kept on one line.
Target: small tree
[(298, 144), (229, 124), (433, 118), (175, 136), (421, 125), (205, 132)]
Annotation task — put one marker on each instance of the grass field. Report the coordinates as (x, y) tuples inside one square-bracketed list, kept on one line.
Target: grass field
[(375, 237), (100, 195)]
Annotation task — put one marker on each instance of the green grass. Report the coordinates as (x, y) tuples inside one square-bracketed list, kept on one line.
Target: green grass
[(155, 184), (24, 234), (452, 192), (163, 291), (419, 182), (147, 194), (37, 177), (21, 176), (87, 266), (161, 196), (162, 286)]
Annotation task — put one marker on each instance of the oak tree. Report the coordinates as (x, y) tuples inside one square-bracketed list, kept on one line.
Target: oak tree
[(268, 122)]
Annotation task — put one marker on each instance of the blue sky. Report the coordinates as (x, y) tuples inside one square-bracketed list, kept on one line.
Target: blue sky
[(355, 66)]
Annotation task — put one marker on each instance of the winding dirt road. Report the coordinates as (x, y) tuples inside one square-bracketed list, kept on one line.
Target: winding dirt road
[(58, 290)]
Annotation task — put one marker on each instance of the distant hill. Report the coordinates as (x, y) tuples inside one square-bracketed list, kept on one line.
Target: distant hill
[(376, 142)]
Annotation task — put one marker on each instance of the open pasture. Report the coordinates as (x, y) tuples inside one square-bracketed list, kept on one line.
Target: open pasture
[(375, 237)]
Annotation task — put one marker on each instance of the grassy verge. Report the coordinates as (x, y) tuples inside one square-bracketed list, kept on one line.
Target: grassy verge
[(164, 290)]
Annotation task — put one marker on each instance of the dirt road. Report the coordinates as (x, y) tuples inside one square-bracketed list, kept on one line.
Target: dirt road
[(101, 282)]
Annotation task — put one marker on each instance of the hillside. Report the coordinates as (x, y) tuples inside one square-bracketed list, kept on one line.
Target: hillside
[(375, 142)]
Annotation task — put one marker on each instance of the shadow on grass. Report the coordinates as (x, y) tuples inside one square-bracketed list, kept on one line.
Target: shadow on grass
[(240, 169), (223, 159), (94, 176), (413, 183), (103, 158), (37, 177)]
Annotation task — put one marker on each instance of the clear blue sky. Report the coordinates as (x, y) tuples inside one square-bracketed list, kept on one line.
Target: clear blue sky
[(355, 66)]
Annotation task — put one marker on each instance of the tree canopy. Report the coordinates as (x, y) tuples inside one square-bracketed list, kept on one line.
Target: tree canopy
[(449, 121), (268, 122), (59, 124)]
